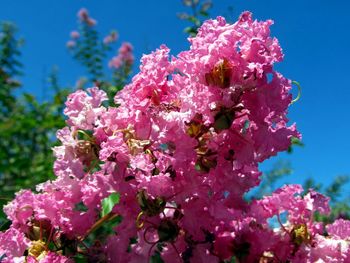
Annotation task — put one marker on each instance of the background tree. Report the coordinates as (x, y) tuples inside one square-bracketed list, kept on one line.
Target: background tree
[(27, 125)]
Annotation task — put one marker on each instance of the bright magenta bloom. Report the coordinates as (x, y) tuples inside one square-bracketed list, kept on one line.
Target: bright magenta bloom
[(182, 148)]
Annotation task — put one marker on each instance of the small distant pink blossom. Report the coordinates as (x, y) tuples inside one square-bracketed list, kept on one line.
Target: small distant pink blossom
[(112, 37), (91, 22), (83, 16), (71, 44), (124, 57), (74, 34)]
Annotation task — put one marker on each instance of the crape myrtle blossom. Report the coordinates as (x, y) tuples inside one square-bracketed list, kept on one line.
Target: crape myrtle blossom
[(74, 34), (124, 57), (181, 150), (112, 37), (71, 44), (84, 17)]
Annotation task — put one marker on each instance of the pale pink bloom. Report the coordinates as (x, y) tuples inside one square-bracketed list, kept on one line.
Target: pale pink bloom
[(82, 109), (71, 44), (317, 202), (340, 228), (83, 14), (52, 257), (74, 34), (91, 22), (21, 208), (13, 243), (125, 56), (112, 37), (84, 17)]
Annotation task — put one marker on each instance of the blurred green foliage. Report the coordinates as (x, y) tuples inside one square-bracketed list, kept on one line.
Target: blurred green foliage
[(269, 179), (27, 126), (91, 52), (340, 202), (199, 11)]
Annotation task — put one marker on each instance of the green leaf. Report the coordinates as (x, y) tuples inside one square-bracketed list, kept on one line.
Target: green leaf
[(295, 142), (193, 20), (80, 259), (80, 207), (204, 13), (192, 31), (109, 202)]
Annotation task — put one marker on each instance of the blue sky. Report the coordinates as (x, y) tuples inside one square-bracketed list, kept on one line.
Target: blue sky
[(314, 35)]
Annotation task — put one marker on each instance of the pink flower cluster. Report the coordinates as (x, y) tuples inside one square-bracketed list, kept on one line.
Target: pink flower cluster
[(124, 57), (112, 37), (84, 17), (181, 149)]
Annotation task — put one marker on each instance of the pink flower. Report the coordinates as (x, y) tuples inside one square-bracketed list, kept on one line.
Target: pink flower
[(83, 110), (340, 228), (84, 17), (52, 257), (21, 208), (114, 149), (124, 57), (181, 149), (317, 202), (74, 34), (13, 243), (83, 14), (116, 62), (71, 44), (112, 37), (91, 22)]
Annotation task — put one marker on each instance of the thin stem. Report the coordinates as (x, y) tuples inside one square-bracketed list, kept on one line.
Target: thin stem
[(49, 238), (98, 224), (83, 133), (164, 213), (149, 252), (299, 91), (279, 221), (85, 246), (41, 232), (82, 252), (177, 251)]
